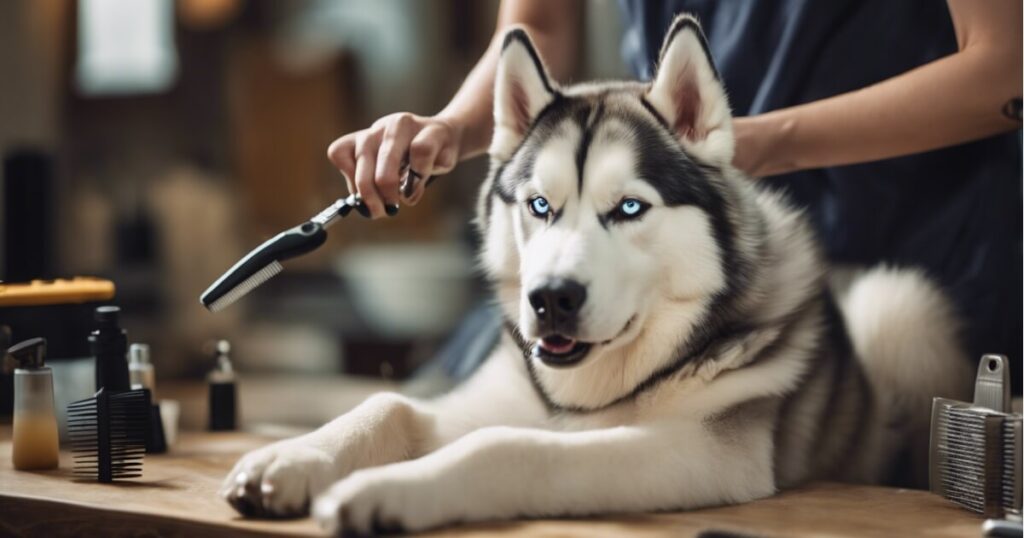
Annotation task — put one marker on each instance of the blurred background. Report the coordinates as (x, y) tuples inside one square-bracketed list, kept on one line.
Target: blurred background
[(154, 142)]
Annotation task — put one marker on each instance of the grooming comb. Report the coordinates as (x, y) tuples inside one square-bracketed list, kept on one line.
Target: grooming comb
[(975, 447), (264, 262), (108, 434)]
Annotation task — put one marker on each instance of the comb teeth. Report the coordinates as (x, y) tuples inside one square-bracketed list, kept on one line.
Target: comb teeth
[(975, 457), (967, 471), (1011, 493), (108, 434), (247, 285)]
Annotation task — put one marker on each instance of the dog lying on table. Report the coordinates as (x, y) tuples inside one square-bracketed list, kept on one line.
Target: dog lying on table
[(672, 339)]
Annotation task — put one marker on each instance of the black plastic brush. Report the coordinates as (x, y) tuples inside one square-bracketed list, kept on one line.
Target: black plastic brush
[(108, 434)]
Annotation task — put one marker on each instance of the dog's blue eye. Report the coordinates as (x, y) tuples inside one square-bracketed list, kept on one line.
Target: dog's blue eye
[(539, 206), (629, 209)]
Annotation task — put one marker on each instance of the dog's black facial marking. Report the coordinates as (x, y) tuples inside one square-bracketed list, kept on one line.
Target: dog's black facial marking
[(586, 114), (496, 189), (654, 112), (588, 118), (518, 169), (690, 182), (527, 350), (675, 175), (556, 215)]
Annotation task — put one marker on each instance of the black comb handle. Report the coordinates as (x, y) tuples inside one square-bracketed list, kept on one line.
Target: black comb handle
[(285, 245)]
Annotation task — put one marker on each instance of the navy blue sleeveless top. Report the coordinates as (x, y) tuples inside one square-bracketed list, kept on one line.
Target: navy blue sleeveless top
[(954, 212)]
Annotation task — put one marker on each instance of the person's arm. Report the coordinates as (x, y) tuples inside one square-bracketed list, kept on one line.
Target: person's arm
[(371, 159), (952, 100)]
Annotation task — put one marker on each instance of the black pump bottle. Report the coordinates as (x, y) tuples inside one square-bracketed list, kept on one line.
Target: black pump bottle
[(109, 344)]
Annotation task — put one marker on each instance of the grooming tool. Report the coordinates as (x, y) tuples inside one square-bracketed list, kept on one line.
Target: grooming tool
[(264, 262), (35, 443), (108, 434), (223, 394), (976, 447)]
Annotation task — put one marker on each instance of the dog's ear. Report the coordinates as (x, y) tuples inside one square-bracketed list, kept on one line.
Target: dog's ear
[(690, 97), (522, 88)]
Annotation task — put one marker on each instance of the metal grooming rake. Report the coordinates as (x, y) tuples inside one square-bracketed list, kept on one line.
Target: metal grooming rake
[(975, 457)]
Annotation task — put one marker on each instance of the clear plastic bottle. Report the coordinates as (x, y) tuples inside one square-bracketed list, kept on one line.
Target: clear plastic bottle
[(35, 442), (140, 369)]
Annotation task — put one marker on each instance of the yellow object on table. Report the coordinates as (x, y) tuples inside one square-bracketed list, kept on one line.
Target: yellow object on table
[(80, 289)]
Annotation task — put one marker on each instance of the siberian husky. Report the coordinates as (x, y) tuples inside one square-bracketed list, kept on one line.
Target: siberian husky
[(672, 340)]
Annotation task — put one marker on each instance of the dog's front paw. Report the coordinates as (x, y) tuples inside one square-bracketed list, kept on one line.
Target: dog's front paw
[(380, 500), (279, 480)]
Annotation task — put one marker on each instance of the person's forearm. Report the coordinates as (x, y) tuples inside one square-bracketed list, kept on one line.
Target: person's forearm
[(554, 28), (950, 101)]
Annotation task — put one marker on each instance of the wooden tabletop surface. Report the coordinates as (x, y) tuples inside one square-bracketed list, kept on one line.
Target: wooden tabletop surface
[(176, 497)]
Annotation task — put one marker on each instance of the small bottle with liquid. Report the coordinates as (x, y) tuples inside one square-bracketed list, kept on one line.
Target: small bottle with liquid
[(35, 442), (223, 396), (141, 376), (140, 369)]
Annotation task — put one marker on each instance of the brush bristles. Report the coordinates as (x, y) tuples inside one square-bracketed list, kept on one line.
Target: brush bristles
[(976, 459), (1011, 494), (125, 425), (247, 285)]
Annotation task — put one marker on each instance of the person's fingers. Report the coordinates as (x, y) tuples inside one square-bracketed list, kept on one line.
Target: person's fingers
[(394, 145), (367, 146), (341, 153), (423, 151), (446, 160)]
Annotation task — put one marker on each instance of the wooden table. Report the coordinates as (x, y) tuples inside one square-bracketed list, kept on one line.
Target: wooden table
[(176, 497)]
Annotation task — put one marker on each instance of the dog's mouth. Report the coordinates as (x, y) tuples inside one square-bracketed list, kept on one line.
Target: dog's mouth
[(560, 351)]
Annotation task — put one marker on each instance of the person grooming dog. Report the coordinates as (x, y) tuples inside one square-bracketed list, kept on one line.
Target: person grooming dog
[(923, 92), (671, 340)]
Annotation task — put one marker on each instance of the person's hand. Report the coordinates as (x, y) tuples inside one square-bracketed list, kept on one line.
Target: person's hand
[(375, 160)]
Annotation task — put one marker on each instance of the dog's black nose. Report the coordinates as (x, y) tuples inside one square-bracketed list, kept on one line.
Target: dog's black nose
[(557, 302)]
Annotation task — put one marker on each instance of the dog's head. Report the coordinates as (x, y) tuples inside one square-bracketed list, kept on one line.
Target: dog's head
[(604, 218)]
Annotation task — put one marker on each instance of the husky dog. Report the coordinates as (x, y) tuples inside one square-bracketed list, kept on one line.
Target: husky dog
[(672, 340)]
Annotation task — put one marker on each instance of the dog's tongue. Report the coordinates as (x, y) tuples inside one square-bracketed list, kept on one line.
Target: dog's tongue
[(557, 344)]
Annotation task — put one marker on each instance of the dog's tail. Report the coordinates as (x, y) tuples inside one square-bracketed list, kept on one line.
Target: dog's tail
[(905, 333)]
